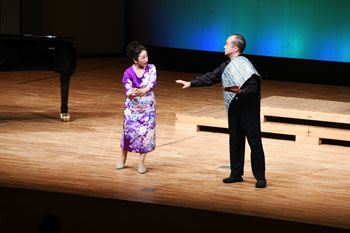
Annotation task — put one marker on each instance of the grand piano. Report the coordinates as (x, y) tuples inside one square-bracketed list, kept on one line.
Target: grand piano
[(28, 52)]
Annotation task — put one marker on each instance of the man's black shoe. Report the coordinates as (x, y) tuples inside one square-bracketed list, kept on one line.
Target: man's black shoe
[(260, 184), (233, 179)]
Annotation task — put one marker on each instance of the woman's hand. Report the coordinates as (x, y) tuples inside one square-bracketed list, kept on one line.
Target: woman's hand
[(184, 83), (139, 92), (143, 91), (133, 93)]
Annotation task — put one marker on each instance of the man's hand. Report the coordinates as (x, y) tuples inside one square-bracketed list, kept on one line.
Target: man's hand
[(184, 83), (234, 89)]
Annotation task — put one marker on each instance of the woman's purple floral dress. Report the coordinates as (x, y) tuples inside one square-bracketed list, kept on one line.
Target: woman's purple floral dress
[(139, 130)]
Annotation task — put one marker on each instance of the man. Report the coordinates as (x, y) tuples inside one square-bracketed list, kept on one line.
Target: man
[(242, 90)]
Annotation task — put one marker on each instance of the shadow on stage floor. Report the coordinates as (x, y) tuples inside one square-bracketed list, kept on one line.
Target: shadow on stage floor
[(36, 211)]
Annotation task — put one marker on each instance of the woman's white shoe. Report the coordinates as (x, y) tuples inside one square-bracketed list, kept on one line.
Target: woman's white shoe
[(142, 171), (120, 166)]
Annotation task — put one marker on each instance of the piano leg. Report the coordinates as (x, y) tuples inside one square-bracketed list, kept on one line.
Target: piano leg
[(65, 80)]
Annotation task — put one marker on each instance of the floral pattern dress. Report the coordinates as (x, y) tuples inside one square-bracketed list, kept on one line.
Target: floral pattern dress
[(139, 128)]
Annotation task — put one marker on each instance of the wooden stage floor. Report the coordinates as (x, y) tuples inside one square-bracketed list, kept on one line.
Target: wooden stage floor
[(306, 183)]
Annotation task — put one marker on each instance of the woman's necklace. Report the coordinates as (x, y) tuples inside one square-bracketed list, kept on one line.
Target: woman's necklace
[(139, 71)]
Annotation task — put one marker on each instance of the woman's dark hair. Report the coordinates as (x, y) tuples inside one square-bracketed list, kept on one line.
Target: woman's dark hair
[(133, 50)]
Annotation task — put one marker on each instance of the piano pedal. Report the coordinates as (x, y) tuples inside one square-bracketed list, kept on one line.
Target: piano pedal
[(65, 117)]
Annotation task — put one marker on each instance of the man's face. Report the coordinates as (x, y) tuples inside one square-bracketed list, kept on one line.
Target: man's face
[(229, 49)]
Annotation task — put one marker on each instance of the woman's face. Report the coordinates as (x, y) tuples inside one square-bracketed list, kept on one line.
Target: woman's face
[(142, 60)]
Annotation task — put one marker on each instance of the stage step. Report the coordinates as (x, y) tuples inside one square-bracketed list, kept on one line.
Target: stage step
[(309, 120)]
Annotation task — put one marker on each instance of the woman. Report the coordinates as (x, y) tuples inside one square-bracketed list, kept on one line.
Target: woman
[(139, 128)]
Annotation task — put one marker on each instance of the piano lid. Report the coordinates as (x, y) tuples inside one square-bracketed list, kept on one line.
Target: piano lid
[(30, 52), (29, 36)]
